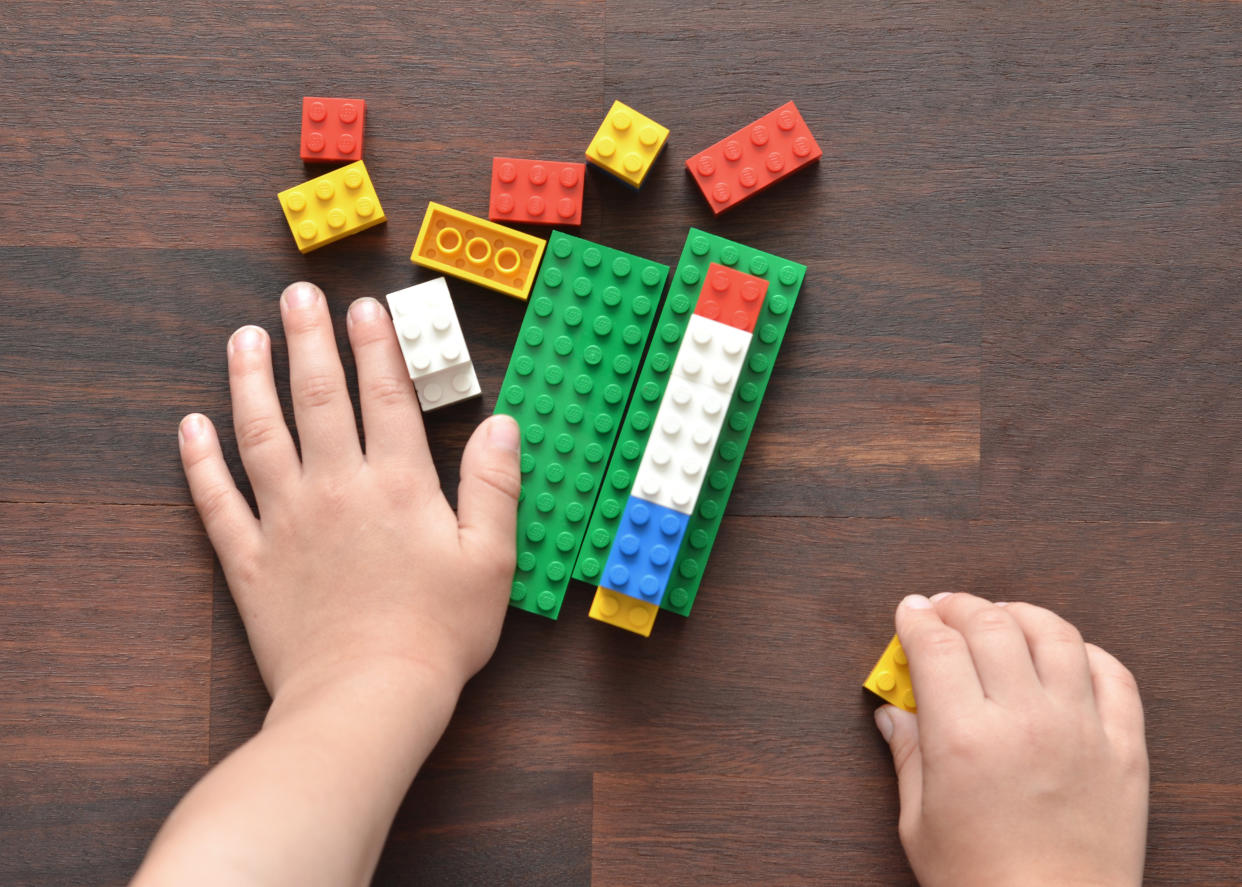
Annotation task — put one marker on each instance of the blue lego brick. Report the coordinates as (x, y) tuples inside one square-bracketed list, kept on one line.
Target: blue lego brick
[(641, 559)]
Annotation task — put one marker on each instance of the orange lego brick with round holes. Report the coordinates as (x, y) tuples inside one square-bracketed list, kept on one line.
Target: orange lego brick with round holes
[(890, 679), (332, 206), (332, 129), (539, 192), (776, 145), (477, 250), (731, 297), (623, 611)]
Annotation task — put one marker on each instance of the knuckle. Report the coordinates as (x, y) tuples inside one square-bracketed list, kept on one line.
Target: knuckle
[(505, 482), (389, 391), (318, 389), (1062, 633), (256, 432), (213, 502), (938, 642), (990, 619)]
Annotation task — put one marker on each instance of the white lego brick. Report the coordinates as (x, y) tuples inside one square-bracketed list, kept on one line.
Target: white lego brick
[(712, 354), (447, 386), (682, 441), (427, 328)]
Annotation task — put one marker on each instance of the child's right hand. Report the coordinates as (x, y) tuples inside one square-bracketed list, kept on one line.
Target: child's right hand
[(1026, 763)]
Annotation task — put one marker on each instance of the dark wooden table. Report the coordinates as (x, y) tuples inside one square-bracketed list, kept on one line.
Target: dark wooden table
[(1015, 368)]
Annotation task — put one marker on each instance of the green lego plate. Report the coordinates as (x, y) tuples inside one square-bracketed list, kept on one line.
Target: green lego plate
[(571, 373), (784, 281)]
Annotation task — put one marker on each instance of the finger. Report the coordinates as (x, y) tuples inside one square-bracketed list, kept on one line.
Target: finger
[(321, 407), (1118, 702), (263, 438), (997, 646), (391, 418), (230, 524), (941, 670), (900, 730), (1057, 650), (487, 496)]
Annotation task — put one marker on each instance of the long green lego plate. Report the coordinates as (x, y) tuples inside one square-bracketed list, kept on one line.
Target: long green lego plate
[(571, 373), (784, 280)]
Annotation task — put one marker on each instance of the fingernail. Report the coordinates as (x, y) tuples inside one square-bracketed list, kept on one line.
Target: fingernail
[(300, 295), (248, 338), (916, 602), (191, 428), (1002, 603), (941, 596), (503, 433), (884, 721), (366, 309)]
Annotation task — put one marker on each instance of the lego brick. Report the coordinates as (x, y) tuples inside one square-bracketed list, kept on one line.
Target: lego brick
[(712, 354), (890, 679), (478, 251), (432, 343), (627, 144), (642, 557), (572, 370), (332, 129), (731, 297), (623, 611), (784, 281), (681, 444), (776, 145), (539, 192), (332, 206), (636, 428)]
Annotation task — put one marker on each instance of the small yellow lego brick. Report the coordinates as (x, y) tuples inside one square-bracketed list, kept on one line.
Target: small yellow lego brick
[(477, 250), (623, 611), (333, 206), (627, 144), (890, 679)]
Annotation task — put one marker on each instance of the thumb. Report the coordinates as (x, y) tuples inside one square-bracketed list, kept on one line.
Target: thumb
[(487, 495), (900, 730)]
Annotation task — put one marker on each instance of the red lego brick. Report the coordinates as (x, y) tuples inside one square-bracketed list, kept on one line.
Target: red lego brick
[(539, 191), (774, 146), (731, 297), (332, 128)]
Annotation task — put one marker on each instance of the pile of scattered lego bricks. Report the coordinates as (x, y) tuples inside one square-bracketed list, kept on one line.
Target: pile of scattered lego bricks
[(626, 468)]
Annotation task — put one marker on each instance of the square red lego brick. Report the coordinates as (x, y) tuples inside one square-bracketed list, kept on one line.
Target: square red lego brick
[(773, 147), (541, 192), (332, 129), (731, 297)]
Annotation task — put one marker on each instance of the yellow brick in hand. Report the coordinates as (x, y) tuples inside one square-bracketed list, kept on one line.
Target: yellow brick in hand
[(890, 679), (333, 206), (477, 250)]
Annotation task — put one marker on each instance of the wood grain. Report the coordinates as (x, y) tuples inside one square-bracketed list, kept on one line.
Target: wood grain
[(1013, 370)]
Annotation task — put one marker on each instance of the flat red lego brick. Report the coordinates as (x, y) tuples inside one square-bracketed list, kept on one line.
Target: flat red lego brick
[(731, 297), (774, 146), (539, 191), (332, 128)]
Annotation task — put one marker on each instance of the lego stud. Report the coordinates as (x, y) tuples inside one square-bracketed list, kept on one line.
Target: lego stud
[(410, 329), (748, 178), (606, 147), (785, 120), (307, 229), (639, 618), (538, 174), (648, 136), (706, 165), (345, 144), (348, 112), (609, 605), (775, 162), (632, 162), (535, 205), (621, 121), (364, 206), (324, 190), (802, 147), (721, 192), (353, 179), (315, 142), (732, 150), (507, 173), (759, 135), (569, 177), (317, 112), (886, 681), (565, 208), (505, 203), (336, 218), (296, 202)]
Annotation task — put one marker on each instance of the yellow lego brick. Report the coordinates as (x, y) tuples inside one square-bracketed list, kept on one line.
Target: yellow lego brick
[(623, 611), (477, 250), (333, 206), (890, 679), (627, 144)]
